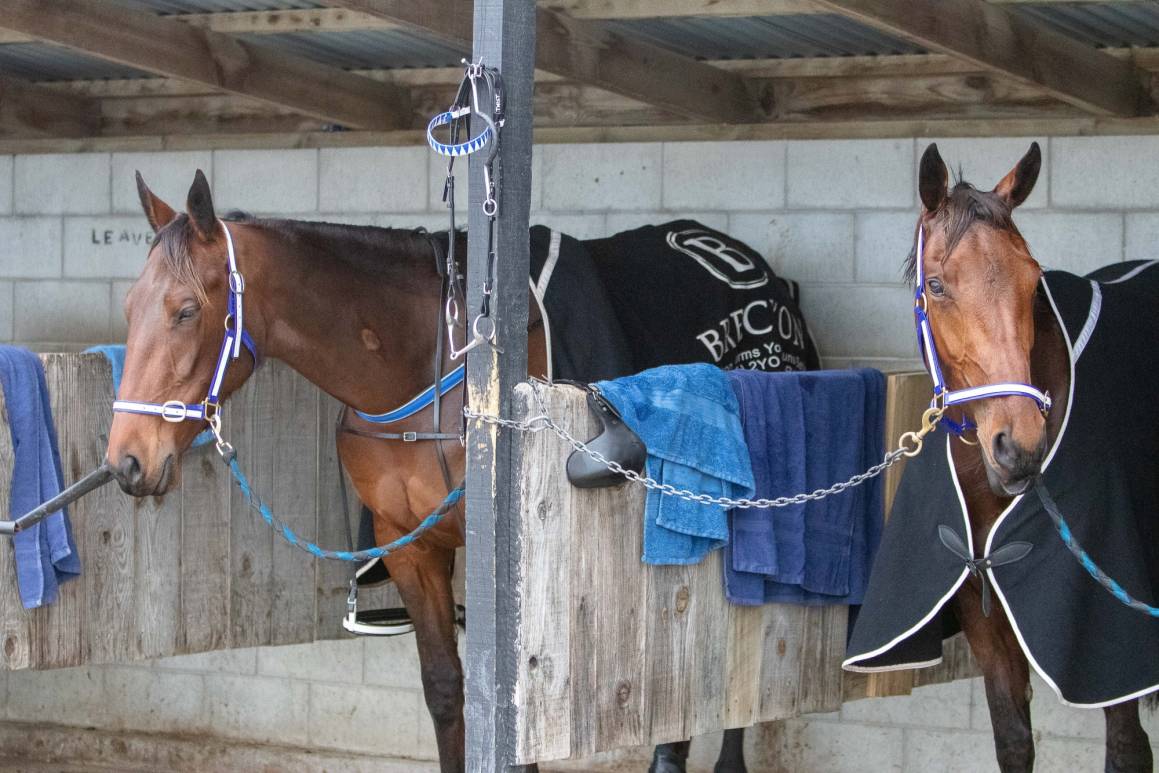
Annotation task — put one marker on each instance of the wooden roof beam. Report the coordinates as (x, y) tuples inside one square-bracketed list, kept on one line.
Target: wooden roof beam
[(589, 52), (171, 48), (1012, 45), (28, 110)]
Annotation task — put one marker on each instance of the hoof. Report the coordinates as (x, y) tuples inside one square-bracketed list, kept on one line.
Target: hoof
[(730, 767), (666, 763)]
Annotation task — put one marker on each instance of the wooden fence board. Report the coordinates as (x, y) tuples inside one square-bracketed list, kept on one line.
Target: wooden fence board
[(331, 578), (15, 624), (656, 653), (253, 416), (205, 565), (292, 493), (545, 691)]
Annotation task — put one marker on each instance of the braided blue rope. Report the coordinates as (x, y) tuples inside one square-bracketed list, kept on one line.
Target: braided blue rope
[(1084, 558), (288, 534)]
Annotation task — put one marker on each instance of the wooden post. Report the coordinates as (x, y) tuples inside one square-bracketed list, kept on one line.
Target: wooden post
[(504, 39)]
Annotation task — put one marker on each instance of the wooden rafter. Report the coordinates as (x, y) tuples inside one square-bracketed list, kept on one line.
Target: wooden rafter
[(28, 110), (170, 48), (589, 52), (1012, 45)]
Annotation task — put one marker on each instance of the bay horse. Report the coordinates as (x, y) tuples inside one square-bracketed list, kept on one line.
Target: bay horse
[(355, 310), (983, 298)]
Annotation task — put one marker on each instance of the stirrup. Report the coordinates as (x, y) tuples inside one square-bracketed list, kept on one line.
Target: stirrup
[(374, 622), (615, 441)]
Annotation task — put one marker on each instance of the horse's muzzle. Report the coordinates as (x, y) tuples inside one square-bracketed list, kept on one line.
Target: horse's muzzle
[(130, 474)]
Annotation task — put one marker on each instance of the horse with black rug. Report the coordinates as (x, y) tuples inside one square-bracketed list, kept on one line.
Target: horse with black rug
[(1032, 526)]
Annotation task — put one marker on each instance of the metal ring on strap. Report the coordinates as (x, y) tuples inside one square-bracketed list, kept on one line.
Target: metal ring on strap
[(463, 148)]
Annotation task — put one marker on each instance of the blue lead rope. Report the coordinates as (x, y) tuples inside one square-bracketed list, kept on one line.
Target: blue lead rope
[(288, 534), (1088, 563)]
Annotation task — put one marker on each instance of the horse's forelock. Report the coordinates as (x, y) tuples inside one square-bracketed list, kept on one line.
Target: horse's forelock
[(172, 247), (963, 207)]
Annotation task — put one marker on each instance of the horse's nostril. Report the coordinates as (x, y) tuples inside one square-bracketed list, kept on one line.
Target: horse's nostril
[(130, 470), (1006, 451)]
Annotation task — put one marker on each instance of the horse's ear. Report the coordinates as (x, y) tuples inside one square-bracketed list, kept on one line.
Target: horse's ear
[(1018, 184), (933, 178), (157, 212), (199, 206)]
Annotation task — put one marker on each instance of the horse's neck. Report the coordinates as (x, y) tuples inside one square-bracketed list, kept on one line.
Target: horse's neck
[(366, 340), (1049, 369)]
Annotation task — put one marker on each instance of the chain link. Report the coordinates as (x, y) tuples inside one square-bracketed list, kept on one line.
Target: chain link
[(544, 422)]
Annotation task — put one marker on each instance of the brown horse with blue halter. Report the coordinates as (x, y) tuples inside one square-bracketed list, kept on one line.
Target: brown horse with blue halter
[(1045, 383)]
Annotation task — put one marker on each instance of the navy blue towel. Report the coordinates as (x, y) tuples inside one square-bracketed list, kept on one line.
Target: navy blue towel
[(688, 417), (807, 430), (46, 554)]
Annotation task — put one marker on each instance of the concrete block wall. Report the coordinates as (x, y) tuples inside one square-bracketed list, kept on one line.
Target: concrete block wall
[(838, 216)]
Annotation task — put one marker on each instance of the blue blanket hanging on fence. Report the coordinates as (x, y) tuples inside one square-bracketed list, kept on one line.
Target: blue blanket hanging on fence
[(808, 430), (115, 354), (688, 417), (46, 553)]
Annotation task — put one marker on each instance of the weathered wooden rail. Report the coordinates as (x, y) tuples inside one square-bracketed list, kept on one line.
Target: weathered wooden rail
[(611, 652), (614, 653), (194, 570)]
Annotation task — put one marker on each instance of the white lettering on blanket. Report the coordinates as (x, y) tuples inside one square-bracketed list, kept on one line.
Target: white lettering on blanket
[(766, 319)]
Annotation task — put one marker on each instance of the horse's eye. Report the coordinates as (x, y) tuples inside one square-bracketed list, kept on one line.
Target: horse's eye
[(187, 313), (935, 286)]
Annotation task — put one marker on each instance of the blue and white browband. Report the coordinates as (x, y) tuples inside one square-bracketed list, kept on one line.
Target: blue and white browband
[(461, 148), (943, 396)]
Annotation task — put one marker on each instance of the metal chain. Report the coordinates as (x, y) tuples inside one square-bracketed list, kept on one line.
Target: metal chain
[(544, 421)]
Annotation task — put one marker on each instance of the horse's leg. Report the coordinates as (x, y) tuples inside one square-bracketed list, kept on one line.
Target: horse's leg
[(424, 581), (1128, 748), (670, 757), (731, 759), (1006, 674)]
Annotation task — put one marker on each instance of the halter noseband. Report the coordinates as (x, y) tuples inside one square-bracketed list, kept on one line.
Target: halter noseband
[(235, 337), (943, 396)]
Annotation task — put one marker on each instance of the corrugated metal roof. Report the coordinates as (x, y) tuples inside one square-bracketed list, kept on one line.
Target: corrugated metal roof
[(216, 6), (44, 62), (803, 35), (765, 37), (364, 49), (1107, 25)]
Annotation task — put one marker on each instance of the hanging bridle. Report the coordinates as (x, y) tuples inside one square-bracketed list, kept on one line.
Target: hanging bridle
[(944, 397), (236, 336)]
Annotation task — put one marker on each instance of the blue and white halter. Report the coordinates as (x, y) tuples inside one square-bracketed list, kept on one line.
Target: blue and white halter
[(944, 397), (235, 338)]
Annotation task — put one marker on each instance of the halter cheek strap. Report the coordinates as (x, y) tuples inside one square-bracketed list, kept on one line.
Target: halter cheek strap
[(236, 337), (943, 396)]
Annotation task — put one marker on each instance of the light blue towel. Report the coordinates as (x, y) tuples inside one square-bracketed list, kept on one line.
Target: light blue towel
[(689, 418), (46, 554), (115, 354)]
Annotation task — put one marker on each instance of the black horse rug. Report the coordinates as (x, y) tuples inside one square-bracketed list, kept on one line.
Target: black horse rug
[(1103, 470), (668, 294)]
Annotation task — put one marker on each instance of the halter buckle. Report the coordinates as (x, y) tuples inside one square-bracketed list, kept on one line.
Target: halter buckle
[(236, 283), (174, 411)]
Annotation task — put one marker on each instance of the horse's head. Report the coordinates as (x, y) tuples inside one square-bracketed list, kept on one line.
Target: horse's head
[(176, 312), (980, 286)]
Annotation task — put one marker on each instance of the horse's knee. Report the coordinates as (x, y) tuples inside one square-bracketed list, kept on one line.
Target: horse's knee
[(444, 696), (1015, 757)]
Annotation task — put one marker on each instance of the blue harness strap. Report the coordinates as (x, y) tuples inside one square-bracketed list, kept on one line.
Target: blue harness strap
[(419, 402)]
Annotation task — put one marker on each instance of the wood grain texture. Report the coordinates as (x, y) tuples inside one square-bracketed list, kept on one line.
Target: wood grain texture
[(15, 623), (1012, 44), (166, 47), (627, 654), (205, 566), (291, 490), (28, 110)]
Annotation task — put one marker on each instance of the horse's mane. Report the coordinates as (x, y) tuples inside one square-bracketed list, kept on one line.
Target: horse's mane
[(964, 206), (376, 251)]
